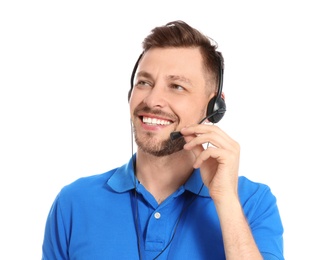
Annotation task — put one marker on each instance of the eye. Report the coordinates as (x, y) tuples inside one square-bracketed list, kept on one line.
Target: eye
[(142, 83), (177, 87)]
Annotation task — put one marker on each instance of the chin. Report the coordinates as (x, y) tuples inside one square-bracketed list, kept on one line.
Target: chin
[(160, 148)]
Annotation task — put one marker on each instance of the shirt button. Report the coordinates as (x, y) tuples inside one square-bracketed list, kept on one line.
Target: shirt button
[(157, 215)]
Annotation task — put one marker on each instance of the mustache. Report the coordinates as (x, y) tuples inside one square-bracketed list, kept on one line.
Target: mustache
[(157, 112)]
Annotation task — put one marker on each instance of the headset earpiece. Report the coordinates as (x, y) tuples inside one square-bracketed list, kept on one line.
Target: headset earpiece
[(217, 106), (216, 109)]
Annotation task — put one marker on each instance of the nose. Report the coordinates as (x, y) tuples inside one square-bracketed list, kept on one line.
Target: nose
[(156, 97)]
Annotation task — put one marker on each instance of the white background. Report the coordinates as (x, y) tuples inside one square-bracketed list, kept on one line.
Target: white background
[(65, 70)]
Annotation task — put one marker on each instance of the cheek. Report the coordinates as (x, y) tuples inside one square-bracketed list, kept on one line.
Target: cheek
[(192, 115), (134, 96), (131, 106), (134, 102)]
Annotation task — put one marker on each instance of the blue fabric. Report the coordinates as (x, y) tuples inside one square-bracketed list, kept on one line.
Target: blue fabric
[(101, 217)]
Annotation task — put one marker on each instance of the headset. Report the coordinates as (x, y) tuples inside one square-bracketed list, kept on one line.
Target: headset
[(216, 106), (133, 74)]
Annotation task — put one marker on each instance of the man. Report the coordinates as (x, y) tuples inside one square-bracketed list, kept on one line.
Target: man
[(179, 196)]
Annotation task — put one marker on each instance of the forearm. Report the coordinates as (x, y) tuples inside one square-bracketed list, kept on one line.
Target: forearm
[(238, 240)]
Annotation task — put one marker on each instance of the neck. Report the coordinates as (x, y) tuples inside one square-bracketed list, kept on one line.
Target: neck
[(162, 176)]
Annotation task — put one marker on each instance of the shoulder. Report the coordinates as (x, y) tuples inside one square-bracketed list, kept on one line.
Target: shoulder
[(249, 188), (87, 185), (256, 196)]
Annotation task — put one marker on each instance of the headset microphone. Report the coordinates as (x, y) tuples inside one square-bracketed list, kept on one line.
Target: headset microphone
[(177, 134)]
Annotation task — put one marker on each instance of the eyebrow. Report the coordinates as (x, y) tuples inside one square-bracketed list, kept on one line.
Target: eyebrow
[(169, 77), (144, 74), (180, 78)]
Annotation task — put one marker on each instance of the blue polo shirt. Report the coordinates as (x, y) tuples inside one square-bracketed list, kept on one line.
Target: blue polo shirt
[(112, 216)]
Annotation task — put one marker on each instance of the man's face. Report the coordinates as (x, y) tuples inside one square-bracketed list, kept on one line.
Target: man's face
[(170, 92)]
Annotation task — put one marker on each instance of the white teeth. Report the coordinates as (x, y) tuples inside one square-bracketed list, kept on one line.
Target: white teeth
[(154, 121)]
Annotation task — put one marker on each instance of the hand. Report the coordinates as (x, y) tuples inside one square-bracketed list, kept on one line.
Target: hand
[(219, 162)]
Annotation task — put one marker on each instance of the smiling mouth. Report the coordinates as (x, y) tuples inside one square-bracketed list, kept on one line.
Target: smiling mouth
[(155, 121)]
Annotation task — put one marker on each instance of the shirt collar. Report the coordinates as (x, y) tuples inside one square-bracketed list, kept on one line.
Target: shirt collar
[(123, 179), (195, 185)]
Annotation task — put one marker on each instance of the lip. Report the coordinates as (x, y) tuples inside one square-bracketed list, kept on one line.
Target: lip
[(155, 117)]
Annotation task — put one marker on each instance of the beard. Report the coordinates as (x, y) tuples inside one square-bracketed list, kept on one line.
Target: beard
[(149, 144)]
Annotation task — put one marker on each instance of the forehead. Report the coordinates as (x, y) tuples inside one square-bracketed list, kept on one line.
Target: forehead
[(178, 58), (171, 63)]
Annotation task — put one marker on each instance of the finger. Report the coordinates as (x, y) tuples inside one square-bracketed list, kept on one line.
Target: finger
[(195, 149), (207, 134), (222, 156)]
